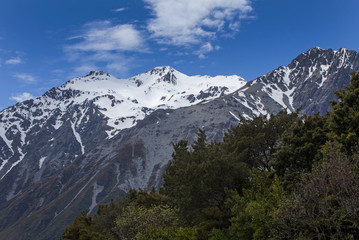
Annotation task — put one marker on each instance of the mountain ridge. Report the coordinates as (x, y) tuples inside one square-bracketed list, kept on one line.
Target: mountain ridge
[(99, 91), (69, 156)]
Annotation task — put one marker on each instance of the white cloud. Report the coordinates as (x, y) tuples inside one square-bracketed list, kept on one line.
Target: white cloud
[(104, 36), (113, 63), (102, 45), (188, 22), (191, 26), (119, 9), (22, 97), (14, 61), (84, 69), (25, 78), (206, 48)]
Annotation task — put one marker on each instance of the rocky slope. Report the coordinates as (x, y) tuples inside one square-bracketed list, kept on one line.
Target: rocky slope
[(308, 82), (96, 137)]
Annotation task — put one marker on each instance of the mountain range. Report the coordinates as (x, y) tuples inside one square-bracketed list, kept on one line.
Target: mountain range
[(96, 137)]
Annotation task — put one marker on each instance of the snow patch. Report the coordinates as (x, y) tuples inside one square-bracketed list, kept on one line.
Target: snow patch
[(96, 190), (58, 124), (246, 116), (41, 161), (15, 163), (286, 78), (4, 138), (234, 115), (78, 137), (324, 74)]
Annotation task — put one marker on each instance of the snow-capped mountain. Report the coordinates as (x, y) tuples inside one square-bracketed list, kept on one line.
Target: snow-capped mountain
[(120, 103), (307, 82), (95, 137), (125, 101)]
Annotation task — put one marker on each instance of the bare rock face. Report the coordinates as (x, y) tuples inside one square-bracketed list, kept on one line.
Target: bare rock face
[(86, 142)]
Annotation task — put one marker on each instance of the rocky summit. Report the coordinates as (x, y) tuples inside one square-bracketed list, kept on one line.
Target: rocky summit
[(95, 137)]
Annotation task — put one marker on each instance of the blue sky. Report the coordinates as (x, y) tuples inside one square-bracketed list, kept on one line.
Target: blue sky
[(45, 43)]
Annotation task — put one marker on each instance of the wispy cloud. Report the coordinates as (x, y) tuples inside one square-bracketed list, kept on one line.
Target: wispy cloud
[(102, 45), (189, 22), (83, 68), (104, 36), (22, 97), (206, 48), (25, 78), (114, 63), (14, 61), (119, 9)]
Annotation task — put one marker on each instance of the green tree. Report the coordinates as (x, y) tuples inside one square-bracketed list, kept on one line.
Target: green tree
[(343, 120), (254, 212), (102, 224), (136, 222), (325, 203), (170, 233), (254, 142), (196, 182), (80, 229), (300, 147)]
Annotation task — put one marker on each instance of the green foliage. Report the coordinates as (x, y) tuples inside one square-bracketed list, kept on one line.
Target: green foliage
[(170, 233), (343, 120), (136, 222), (254, 142), (150, 199), (254, 212), (196, 181), (300, 147), (80, 229), (325, 203), (103, 220), (110, 220)]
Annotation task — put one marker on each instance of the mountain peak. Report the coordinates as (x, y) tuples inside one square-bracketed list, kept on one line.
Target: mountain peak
[(97, 73), (161, 69), (314, 51), (314, 72), (159, 74), (92, 76), (166, 74)]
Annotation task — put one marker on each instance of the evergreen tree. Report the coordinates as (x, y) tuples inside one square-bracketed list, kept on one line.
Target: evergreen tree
[(254, 212), (136, 222), (80, 229), (300, 146), (325, 203), (343, 120), (196, 182), (254, 142)]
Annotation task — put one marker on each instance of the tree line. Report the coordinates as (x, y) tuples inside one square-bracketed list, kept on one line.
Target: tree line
[(286, 176)]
